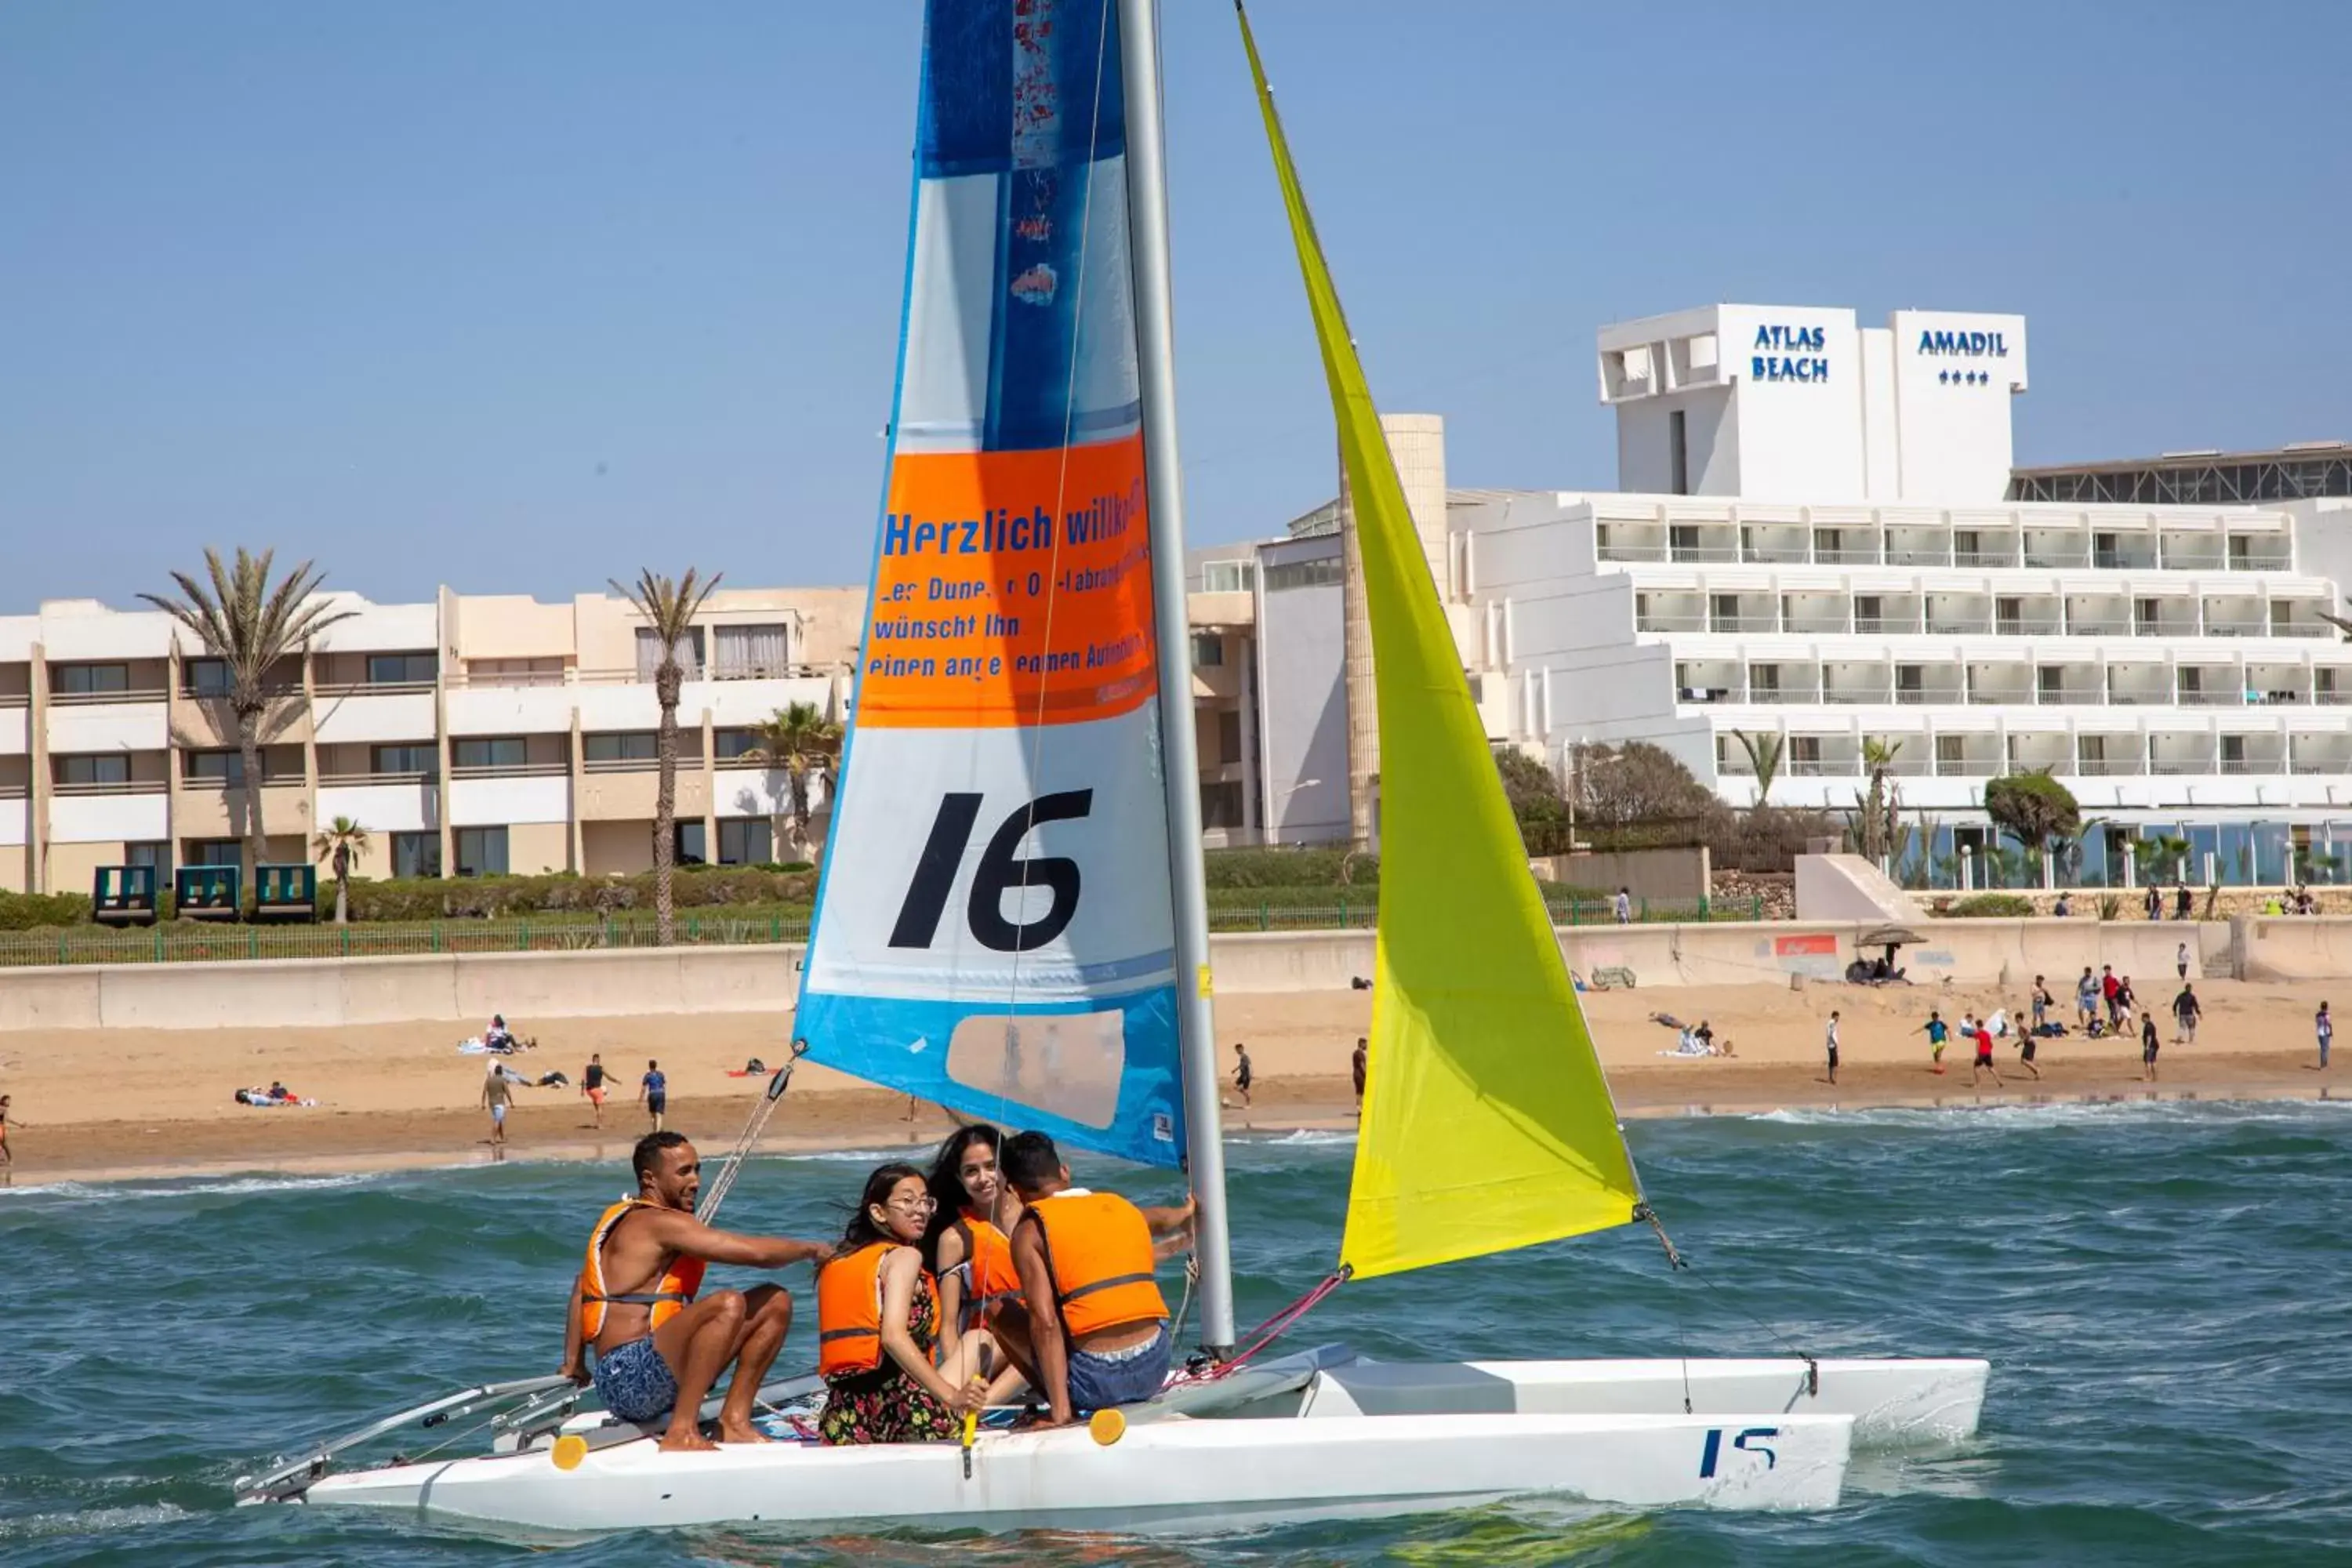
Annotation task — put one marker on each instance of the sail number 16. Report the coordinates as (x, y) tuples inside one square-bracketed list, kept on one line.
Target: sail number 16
[(999, 873)]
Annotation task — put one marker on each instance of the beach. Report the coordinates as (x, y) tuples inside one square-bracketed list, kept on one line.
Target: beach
[(121, 1103)]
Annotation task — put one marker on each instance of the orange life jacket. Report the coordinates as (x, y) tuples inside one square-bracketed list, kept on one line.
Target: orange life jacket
[(1098, 1252), (990, 1278), (680, 1279), (849, 1309)]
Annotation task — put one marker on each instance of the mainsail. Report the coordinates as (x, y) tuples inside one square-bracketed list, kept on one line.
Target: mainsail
[(994, 927), (1486, 1124)]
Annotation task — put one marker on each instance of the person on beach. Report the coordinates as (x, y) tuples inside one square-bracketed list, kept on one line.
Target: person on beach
[(2026, 1043), (7, 1159), (2153, 904), (2185, 1010), (2147, 1044), (1983, 1063), (1832, 1043), (2181, 960), (968, 1244), (2086, 998), (1086, 1261), (2325, 1027), (498, 1094), (879, 1321), (2063, 907), (2127, 1000), (1243, 1075), (653, 1094), (2181, 900), (1936, 1031), (2040, 1003), (2109, 988), (591, 1084), (1356, 1063), (658, 1348)]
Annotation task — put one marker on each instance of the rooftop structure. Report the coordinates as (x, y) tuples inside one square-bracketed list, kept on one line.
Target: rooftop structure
[(2301, 470)]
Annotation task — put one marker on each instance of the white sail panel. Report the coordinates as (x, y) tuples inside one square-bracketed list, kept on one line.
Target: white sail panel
[(994, 930)]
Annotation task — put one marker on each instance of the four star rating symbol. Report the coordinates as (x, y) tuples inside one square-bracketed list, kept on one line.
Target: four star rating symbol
[(1964, 378)]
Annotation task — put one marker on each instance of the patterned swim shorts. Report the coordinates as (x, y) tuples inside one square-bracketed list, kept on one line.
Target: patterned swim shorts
[(634, 1383)]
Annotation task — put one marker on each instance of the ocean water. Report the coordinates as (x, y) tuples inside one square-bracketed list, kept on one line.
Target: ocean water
[(2164, 1291)]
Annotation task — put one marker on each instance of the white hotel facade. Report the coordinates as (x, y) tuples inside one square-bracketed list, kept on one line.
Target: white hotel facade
[(1812, 540)]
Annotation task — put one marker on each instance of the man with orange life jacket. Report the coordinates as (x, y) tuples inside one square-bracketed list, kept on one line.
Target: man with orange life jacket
[(658, 1348), (1097, 1321)]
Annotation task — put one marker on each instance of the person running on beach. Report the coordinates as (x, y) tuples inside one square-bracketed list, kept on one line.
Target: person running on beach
[(1936, 1031), (2147, 1044), (498, 1094), (1983, 1063), (658, 1348), (2185, 1010), (2181, 960), (1356, 1066), (1243, 1075), (2325, 1027), (2026, 1042), (1832, 1043), (591, 1084), (653, 1092)]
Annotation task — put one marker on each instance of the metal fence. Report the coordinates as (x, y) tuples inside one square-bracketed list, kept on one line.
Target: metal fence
[(212, 944)]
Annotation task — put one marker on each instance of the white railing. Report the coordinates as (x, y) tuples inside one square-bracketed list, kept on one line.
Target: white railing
[(1843, 557), (1632, 552), (2253, 764), (113, 787), (1887, 625), (1928, 696), (2099, 626), (1823, 767), (1705, 554), (2066, 697), (1787, 695), (1919, 557), (2110, 767), (1776, 555), (1852, 695), (2178, 766), (511, 771), (1669, 623), (96, 698), (353, 780), (1743, 623)]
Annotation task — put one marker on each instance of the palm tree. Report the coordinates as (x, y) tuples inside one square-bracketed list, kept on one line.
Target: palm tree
[(249, 627), (341, 841), (798, 740), (1883, 807), (1763, 758), (669, 608)]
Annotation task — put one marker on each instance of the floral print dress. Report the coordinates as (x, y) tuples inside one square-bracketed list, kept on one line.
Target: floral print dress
[(886, 1405)]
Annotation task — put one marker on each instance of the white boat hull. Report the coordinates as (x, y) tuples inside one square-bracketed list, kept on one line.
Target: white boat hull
[(1178, 1476), (1386, 1438)]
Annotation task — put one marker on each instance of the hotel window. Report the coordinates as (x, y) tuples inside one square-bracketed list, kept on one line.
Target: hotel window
[(156, 855), (689, 653), (1805, 750), (730, 745), (490, 752), (1226, 576), (1208, 650), (216, 852), (1323, 573), (1763, 679), (402, 668), (1229, 735), (746, 652), (481, 852), (417, 854), (1678, 453), (745, 841), (107, 768), (1221, 805), (1950, 750), (686, 845), (638, 747), (418, 758), (92, 679), (204, 678)]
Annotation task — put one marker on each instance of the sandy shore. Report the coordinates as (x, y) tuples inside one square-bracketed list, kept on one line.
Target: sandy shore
[(125, 1103)]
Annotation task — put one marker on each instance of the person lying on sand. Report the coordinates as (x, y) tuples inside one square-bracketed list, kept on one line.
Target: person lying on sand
[(658, 1348)]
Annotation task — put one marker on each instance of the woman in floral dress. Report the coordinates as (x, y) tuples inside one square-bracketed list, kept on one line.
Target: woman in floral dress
[(903, 1398)]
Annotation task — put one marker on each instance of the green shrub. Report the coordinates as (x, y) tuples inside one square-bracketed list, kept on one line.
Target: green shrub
[(1290, 869), (1992, 906), (31, 911), (469, 897)]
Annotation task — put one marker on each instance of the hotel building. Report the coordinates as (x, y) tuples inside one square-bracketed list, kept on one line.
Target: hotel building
[(472, 735)]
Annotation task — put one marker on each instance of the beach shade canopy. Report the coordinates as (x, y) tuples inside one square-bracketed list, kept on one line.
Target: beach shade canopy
[(1888, 936)]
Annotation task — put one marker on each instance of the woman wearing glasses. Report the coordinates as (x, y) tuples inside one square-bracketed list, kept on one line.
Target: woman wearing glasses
[(878, 1327)]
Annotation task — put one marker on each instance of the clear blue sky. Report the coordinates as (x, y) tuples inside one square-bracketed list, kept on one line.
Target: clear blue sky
[(521, 297)]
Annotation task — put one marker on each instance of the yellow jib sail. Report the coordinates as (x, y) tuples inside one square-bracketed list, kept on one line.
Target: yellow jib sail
[(1486, 1123)]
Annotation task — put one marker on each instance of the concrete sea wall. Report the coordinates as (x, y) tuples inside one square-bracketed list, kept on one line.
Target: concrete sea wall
[(466, 989)]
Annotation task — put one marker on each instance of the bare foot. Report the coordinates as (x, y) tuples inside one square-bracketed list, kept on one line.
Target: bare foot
[(741, 1432), (687, 1441)]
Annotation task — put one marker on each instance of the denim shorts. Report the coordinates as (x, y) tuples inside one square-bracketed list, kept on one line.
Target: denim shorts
[(636, 1382), (1123, 1377)]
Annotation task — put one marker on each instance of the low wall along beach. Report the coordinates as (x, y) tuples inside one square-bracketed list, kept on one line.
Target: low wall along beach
[(332, 993)]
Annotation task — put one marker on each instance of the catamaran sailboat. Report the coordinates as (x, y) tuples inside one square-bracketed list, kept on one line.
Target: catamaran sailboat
[(1013, 923)]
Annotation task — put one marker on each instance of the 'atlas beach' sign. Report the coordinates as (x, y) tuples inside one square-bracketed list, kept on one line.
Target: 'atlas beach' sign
[(1790, 354), (1976, 345)]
